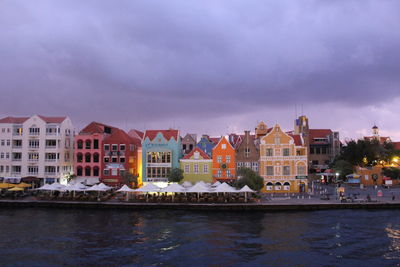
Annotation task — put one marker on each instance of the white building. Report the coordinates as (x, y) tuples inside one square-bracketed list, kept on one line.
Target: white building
[(38, 146)]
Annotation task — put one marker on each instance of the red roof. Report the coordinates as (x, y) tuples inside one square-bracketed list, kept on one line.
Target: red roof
[(95, 127), (202, 154), (168, 134), (118, 136), (297, 139), (14, 119), (381, 139), (135, 133), (396, 145), (214, 140)]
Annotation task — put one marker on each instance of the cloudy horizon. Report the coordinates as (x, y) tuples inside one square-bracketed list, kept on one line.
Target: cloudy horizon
[(204, 67)]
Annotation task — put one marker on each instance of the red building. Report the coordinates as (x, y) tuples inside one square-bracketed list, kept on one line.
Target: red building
[(103, 153)]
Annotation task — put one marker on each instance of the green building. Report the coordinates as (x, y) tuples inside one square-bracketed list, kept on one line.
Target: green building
[(197, 166)]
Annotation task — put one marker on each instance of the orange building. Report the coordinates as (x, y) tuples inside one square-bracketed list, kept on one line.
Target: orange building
[(224, 165)]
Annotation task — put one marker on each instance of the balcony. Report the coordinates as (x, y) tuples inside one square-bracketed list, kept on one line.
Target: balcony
[(50, 160), (50, 173), (15, 173), (16, 160), (50, 147)]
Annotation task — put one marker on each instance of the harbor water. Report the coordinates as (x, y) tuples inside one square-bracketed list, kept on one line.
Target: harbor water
[(82, 237)]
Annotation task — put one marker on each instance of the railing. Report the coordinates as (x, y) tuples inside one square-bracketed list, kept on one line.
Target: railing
[(16, 147), (33, 160), (16, 159), (51, 147), (50, 160), (50, 173)]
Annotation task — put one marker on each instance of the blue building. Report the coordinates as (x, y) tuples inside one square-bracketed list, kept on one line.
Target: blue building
[(206, 144), (161, 152)]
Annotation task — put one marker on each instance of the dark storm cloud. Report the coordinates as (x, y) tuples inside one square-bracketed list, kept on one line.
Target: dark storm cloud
[(155, 60)]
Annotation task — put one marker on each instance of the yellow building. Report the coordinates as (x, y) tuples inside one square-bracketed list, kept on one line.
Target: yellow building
[(197, 166), (283, 162)]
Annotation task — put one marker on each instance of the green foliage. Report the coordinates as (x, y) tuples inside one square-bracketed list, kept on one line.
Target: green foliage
[(128, 178), (176, 175), (70, 176), (343, 168), (391, 172), (250, 178)]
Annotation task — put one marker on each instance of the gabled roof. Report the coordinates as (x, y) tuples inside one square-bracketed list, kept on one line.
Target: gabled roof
[(215, 140), (95, 127), (223, 138), (136, 134), (320, 133), (197, 149), (52, 119), (23, 119), (120, 136), (14, 119), (168, 134), (190, 137)]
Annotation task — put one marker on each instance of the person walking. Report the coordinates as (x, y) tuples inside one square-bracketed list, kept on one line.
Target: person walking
[(393, 197)]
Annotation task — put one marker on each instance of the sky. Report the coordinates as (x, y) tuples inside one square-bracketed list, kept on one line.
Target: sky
[(210, 66)]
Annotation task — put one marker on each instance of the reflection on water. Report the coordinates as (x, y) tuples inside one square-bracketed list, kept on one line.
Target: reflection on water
[(40, 237)]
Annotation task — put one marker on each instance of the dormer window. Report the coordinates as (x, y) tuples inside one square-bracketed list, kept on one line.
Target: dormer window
[(196, 155), (223, 146)]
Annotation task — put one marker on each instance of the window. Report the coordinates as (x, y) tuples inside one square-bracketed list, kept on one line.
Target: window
[(106, 172), (317, 150), (247, 152), (95, 171), (228, 159), (114, 172), (17, 156), (66, 157), (95, 158), (88, 157), (2, 155), (1, 168), (33, 143), (205, 168), (285, 152), (219, 174), (16, 169), (17, 144), (114, 147), (270, 170), (51, 157), (8, 142), (34, 131), (269, 152), (301, 170), (228, 173), (96, 145), (122, 147), (50, 169), (33, 156), (7, 155), (277, 140), (33, 170), (106, 159), (196, 155), (219, 159), (122, 159), (80, 144), (88, 171), (2, 143), (187, 168), (51, 143), (88, 144), (114, 159), (107, 147), (223, 146), (286, 170), (196, 168)]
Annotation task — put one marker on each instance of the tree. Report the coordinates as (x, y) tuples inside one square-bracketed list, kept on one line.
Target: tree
[(70, 176), (391, 172), (128, 178), (176, 175), (343, 168), (250, 178)]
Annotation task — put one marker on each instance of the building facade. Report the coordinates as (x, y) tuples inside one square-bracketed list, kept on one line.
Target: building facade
[(323, 145), (36, 146), (188, 143), (161, 152), (103, 153), (197, 166), (283, 162), (206, 144), (224, 163), (247, 152)]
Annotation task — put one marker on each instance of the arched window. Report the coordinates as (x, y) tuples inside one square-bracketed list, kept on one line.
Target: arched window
[(88, 144), (96, 171), (87, 171), (79, 157), (286, 186), (269, 186), (79, 171), (79, 144), (87, 157), (96, 157), (278, 186)]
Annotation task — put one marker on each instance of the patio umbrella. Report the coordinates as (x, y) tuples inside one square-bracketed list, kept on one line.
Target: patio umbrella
[(245, 189), (125, 189), (16, 189), (225, 188), (103, 186), (187, 184), (5, 185), (173, 188), (23, 185), (217, 183), (45, 187), (198, 188), (148, 188)]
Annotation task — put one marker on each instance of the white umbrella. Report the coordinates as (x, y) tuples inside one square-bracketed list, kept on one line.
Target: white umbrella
[(217, 183), (245, 189), (105, 187), (225, 188), (94, 188), (173, 188), (44, 187), (187, 184), (125, 188), (76, 187), (198, 188), (56, 187), (148, 188), (201, 183)]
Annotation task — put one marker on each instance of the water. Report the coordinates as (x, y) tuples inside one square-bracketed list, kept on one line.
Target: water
[(66, 237)]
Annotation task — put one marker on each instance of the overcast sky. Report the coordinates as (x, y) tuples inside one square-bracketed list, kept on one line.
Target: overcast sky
[(204, 66)]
